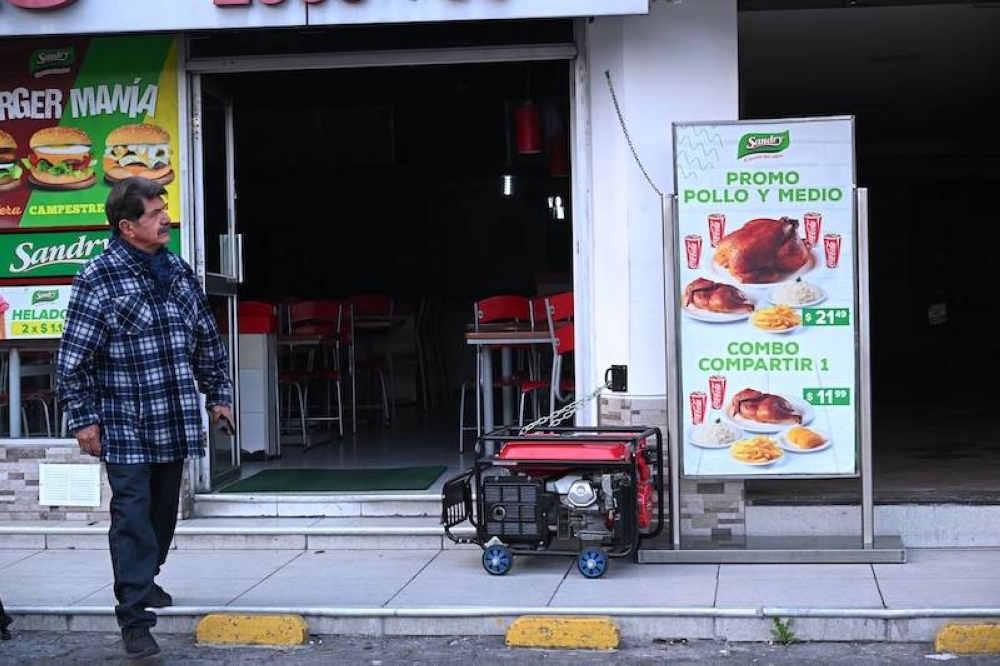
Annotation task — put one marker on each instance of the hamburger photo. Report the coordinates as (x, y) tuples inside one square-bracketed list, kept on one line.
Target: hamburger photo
[(10, 170), (60, 159), (138, 150)]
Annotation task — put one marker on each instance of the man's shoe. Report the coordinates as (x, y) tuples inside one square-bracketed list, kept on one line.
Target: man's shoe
[(159, 598), (139, 643)]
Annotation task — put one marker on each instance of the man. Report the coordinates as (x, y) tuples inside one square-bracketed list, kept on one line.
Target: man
[(139, 343), (5, 621)]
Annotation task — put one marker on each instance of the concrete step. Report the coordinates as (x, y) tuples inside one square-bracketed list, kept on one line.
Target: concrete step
[(917, 525), (334, 505), (250, 533)]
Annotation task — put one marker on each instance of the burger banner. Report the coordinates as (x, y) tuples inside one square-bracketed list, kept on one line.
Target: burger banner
[(77, 114)]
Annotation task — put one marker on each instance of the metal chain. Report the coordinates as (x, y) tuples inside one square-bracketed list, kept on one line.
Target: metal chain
[(628, 139), (564, 412)]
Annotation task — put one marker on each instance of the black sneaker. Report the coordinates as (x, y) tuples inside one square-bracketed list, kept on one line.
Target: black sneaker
[(5, 621), (139, 643), (159, 598)]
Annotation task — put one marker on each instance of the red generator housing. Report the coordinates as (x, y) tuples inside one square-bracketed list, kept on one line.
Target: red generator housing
[(594, 493)]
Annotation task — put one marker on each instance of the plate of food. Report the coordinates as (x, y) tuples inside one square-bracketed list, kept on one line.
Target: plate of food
[(778, 318), (797, 293), (800, 439), (758, 451), (716, 434), (716, 302), (760, 412)]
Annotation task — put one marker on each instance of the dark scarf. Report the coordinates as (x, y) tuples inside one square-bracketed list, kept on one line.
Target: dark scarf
[(158, 264)]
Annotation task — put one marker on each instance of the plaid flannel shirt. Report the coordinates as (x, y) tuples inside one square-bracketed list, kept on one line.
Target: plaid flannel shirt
[(134, 360)]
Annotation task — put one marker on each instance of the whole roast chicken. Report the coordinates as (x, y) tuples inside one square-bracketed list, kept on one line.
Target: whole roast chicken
[(761, 407), (716, 297), (763, 250)]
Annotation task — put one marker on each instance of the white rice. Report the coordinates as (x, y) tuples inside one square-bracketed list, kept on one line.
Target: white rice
[(717, 433), (797, 292)]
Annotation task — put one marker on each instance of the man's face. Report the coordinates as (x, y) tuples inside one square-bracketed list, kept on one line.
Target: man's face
[(152, 230)]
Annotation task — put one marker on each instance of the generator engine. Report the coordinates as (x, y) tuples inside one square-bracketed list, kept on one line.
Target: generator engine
[(590, 507)]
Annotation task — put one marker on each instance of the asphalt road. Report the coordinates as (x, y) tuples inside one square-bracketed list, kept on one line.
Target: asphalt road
[(89, 648)]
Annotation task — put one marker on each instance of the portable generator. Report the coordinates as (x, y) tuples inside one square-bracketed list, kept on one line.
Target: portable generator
[(595, 493)]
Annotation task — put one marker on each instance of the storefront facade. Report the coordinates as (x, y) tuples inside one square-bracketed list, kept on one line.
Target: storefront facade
[(638, 67)]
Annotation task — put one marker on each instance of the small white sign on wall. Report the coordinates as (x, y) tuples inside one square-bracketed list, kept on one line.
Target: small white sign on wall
[(69, 485)]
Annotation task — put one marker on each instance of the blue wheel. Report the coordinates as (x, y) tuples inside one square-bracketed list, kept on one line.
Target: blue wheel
[(497, 559), (592, 562)]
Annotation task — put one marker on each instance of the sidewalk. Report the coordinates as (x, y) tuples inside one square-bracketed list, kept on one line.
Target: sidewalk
[(426, 592)]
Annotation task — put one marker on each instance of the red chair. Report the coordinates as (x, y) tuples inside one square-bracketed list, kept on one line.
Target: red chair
[(315, 359), (369, 363), (558, 310), (496, 311)]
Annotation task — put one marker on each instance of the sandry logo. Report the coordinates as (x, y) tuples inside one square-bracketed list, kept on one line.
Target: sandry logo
[(756, 143), (44, 296), (51, 61)]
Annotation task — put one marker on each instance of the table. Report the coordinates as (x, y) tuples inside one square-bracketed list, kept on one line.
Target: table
[(505, 336), (15, 374)]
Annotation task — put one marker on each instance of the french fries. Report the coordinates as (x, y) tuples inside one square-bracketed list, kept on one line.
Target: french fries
[(758, 449), (776, 318)]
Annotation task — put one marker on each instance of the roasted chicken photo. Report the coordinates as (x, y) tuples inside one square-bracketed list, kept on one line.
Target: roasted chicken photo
[(716, 297), (755, 405), (763, 250)]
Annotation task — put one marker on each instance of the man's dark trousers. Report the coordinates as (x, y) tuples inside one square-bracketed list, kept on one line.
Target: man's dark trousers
[(144, 499)]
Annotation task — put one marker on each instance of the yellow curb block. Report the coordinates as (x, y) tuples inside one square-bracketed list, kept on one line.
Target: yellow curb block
[(968, 639), (229, 629), (563, 631)]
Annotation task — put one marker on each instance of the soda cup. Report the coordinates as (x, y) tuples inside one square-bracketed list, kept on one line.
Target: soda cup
[(699, 400), (717, 390), (831, 249), (716, 228), (692, 247), (812, 222)]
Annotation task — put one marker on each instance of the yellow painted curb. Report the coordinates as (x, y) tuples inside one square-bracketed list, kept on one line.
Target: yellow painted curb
[(563, 631), (230, 629), (968, 639)]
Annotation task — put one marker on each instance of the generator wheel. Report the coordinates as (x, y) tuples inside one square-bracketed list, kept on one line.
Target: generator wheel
[(592, 562), (497, 559)]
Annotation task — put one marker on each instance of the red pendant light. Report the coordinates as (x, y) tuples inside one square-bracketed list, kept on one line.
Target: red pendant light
[(558, 159), (529, 132)]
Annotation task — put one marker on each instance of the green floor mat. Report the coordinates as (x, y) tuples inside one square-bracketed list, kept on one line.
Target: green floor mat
[(331, 480)]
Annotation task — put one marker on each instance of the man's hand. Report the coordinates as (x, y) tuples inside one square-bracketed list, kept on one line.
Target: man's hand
[(222, 410), (89, 439)]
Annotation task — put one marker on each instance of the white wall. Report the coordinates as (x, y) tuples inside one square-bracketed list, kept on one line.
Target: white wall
[(678, 63)]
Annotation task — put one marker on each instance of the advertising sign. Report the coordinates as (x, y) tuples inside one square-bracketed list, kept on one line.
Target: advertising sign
[(767, 276), (32, 312), (76, 115)]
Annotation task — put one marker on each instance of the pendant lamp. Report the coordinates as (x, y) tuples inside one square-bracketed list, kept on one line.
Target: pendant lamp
[(527, 120)]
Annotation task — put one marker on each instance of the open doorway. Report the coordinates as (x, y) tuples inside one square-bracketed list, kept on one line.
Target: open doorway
[(389, 180)]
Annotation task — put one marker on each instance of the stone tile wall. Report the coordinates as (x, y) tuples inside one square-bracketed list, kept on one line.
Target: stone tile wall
[(709, 509), (19, 463)]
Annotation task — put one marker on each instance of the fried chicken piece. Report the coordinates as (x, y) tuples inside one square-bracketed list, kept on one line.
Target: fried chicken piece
[(716, 297), (762, 407)]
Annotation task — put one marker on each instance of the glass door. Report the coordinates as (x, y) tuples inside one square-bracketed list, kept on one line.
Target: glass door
[(219, 250)]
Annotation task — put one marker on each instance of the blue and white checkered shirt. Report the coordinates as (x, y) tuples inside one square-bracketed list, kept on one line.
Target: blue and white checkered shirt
[(134, 360)]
